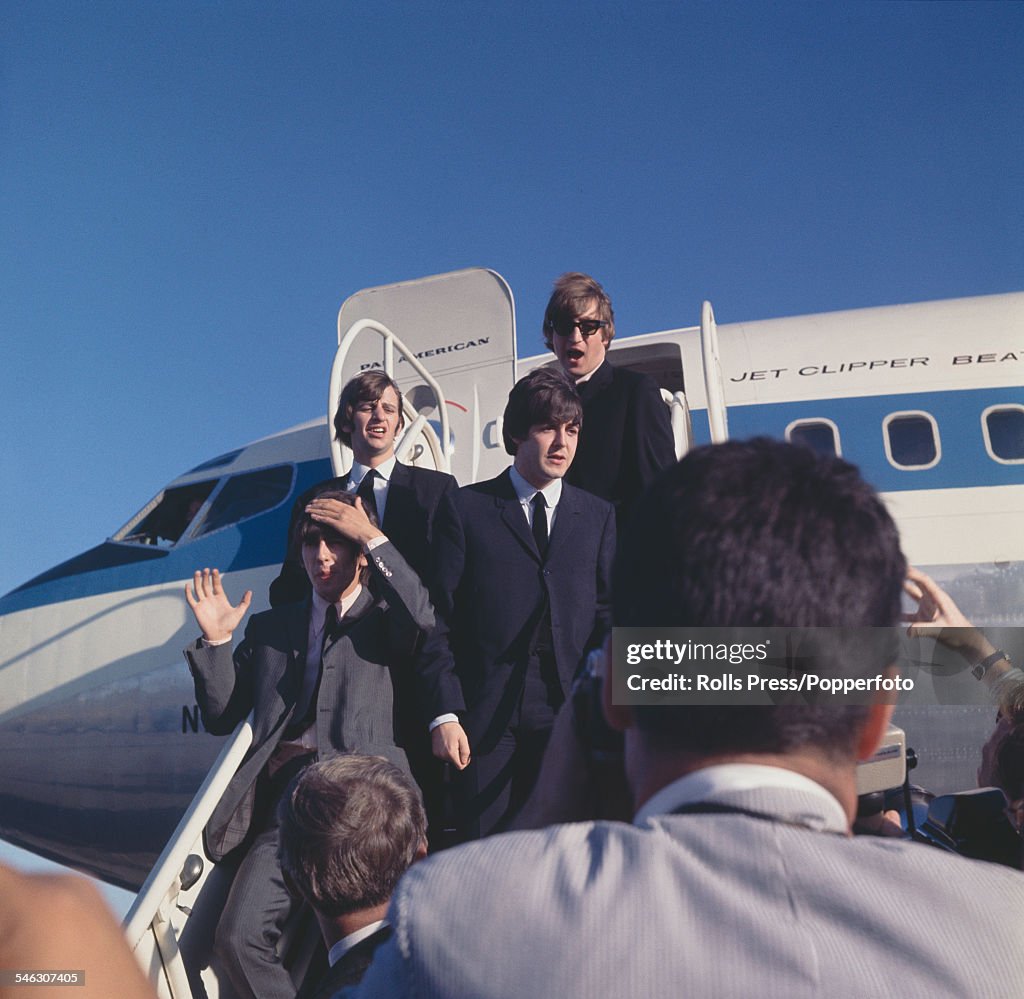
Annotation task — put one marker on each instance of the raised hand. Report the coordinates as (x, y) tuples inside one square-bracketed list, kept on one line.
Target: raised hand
[(349, 521), (937, 616), (212, 609)]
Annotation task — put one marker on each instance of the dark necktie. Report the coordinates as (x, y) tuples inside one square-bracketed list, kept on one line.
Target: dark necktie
[(540, 523), (305, 705), (365, 493), (331, 620)]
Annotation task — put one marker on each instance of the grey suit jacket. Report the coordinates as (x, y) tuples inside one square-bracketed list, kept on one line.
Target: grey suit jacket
[(364, 703), (708, 905)]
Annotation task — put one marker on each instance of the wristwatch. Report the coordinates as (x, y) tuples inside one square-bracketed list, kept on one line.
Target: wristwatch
[(980, 669)]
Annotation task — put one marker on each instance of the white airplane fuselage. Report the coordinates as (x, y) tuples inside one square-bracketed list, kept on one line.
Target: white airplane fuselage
[(101, 746)]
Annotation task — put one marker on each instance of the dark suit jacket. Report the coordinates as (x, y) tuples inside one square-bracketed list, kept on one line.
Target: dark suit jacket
[(492, 589), (417, 497), (626, 437), (364, 689), (349, 970)]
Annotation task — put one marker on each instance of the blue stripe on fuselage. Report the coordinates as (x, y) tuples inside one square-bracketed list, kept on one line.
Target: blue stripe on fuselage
[(964, 461), (260, 540)]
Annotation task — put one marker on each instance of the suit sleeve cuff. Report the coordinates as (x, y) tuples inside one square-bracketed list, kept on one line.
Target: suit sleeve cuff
[(443, 720)]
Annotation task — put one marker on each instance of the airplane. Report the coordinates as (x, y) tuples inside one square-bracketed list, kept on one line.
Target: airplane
[(101, 746)]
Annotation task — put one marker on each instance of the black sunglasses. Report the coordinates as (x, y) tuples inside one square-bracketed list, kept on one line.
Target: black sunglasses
[(587, 327)]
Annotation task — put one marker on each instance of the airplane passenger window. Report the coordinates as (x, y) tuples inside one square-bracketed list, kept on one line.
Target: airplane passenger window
[(246, 495), (163, 520), (1003, 429), (911, 440), (821, 436)]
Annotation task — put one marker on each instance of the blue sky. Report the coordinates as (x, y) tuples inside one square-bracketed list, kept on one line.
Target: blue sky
[(188, 191)]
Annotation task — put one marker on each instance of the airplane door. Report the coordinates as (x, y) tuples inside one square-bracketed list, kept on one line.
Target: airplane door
[(449, 342)]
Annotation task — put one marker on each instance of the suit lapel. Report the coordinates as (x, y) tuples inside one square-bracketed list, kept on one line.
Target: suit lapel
[(512, 514), (599, 380), (401, 506), (289, 683), (363, 603), (297, 628), (567, 522)]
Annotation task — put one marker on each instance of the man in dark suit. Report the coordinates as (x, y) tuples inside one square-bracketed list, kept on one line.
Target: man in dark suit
[(523, 591), (350, 827), (626, 438), (407, 500), (322, 677)]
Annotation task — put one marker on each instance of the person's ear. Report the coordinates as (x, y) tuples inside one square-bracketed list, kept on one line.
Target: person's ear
[(619, 716), (421, 851), (877, 722), (347, 424)]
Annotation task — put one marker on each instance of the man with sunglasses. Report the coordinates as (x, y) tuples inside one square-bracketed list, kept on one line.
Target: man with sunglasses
[(626, 438)]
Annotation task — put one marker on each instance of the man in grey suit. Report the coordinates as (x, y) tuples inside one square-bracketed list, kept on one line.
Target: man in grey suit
[(738, 876), (323, 677)]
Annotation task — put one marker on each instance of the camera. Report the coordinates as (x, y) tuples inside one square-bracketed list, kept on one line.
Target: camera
[(971, 823)]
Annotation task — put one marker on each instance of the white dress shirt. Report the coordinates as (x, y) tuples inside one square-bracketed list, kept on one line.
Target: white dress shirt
[(381, 483), (552, 493), (345, 944)]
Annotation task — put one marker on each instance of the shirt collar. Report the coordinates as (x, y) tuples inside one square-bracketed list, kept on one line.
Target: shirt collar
[(711, 782), (318, 615), (345, 944), (525, 492), (359, 470)]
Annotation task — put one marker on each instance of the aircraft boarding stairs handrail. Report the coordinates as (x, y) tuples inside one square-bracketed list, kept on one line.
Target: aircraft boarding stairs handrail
[(679, 417), (148, 926), (714, 381), (341, 456)]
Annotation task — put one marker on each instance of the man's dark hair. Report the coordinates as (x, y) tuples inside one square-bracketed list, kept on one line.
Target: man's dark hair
[(1009, 762), (368, 386), (310, 531), (572, 294), (545, 396), (758, 534), (350, 827)]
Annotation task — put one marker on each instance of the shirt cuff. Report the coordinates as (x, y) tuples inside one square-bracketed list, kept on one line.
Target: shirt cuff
[(443, 720), (376, 542), (210, 645)]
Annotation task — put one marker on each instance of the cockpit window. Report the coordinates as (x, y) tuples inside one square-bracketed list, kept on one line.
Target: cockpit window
[(245, 496), (164, 519), (184, 513)]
